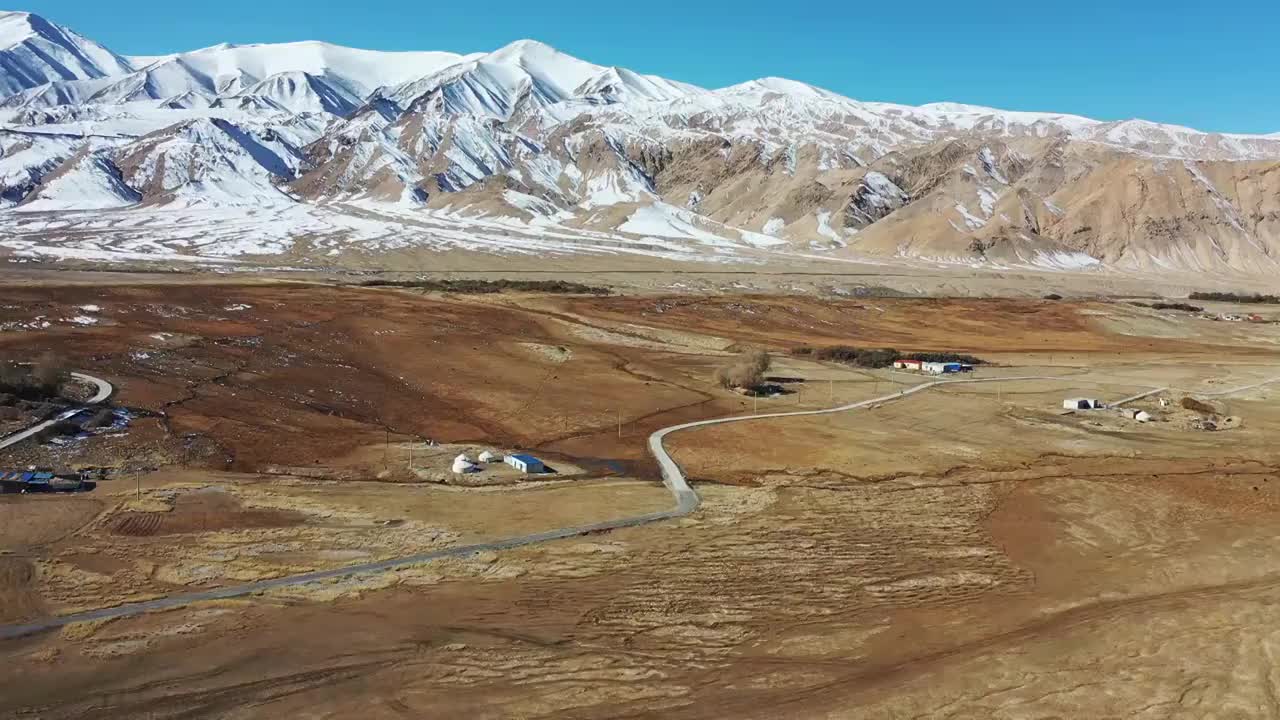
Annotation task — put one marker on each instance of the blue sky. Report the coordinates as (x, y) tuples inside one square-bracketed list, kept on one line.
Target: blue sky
[(1211, 66)]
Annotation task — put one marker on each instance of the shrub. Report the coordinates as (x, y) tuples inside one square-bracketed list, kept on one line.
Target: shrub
[(485, 287), (945, 357), (1236, 297), (1169, 306), (1198, 406), (759, 360), (879, 357), (38, 381), (862, 357), (746, 372)]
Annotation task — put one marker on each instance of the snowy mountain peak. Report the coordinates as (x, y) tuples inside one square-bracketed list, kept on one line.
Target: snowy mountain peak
[(782, 86), (620, 85), (525, 50), (557, 147), (558, 72), (36, 52), (16, 27)]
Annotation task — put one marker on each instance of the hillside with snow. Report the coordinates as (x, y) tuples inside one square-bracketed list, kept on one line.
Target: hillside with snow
[(526, 149)]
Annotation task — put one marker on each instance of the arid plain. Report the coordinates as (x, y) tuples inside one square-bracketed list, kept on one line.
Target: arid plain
[(968, 551)]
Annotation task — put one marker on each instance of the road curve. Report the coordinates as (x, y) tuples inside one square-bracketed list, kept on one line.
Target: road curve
[(104, 388), (100, 395), (673, 477)]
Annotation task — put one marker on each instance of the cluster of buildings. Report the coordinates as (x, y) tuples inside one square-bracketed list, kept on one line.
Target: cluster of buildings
[(527, 464), (41, 481), (1232, 317), (932, 368), (1095, 404)]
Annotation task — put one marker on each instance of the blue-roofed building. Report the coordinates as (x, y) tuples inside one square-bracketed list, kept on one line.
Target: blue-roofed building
[(18, 481), (526, 463)]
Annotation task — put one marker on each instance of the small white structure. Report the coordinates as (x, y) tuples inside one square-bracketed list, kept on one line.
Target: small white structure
[(488, 456), (1142, 416), (942, 368), (525, 463), (463, 464), (906, 364), (1081, 404)]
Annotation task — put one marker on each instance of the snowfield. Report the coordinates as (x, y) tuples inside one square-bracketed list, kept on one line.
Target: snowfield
[(235, 154)]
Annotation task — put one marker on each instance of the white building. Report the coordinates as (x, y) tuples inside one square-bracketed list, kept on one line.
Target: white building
[(1081, 404), (489, 456), (526, 463)]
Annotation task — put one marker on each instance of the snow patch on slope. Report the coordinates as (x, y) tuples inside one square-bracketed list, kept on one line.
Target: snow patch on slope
[(91, 182)]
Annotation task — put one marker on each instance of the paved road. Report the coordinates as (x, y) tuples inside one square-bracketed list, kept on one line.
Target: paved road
[(103, 392), (673, 477)]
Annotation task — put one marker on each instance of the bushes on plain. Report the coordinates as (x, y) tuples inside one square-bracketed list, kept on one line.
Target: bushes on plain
[(745, 372)]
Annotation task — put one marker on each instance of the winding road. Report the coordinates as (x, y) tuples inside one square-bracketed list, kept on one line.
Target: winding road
[(103, 392), (673, 477)]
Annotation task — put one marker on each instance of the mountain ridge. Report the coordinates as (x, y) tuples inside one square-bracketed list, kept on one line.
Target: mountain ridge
[(532, 134)]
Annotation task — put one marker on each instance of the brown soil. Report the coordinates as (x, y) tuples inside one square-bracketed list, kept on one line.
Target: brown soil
[(928, 324), (305, 374), (18, 596), (965, 553), (204, 511), (32, 521)]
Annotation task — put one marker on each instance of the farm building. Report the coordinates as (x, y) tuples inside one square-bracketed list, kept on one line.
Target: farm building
[(526, 463), (944, 368), (1135, 414), (1082, 404), (41, 482), (907, 364), (489, 456)]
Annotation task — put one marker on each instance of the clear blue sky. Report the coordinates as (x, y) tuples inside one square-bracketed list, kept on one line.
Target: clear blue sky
[(1210, 65)]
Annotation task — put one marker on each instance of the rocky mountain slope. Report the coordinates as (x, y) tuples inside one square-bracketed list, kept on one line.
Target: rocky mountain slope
[(532, 138)]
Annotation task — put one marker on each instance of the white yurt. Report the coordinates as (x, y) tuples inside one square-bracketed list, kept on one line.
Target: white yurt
[(463, 464), (489, 456)]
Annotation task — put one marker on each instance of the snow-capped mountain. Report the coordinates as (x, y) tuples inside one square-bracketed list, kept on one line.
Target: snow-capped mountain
[(36, 52), (546, 141)]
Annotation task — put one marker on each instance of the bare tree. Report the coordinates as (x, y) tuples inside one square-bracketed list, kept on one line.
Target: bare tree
[(745, 372), (48, 373)]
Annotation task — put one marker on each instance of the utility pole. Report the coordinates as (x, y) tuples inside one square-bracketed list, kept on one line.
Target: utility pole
[(410, 454), (755, 404), (386, 449), (619, 423), (831, 386)]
